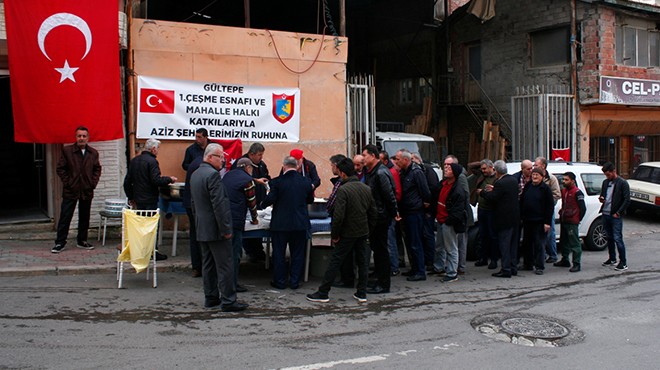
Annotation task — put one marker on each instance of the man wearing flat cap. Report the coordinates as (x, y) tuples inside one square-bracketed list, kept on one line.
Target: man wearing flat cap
[(240, 188), (537, 209)]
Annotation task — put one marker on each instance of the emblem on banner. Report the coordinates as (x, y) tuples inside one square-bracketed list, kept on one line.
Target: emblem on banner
[(156, 101), (283, 107)]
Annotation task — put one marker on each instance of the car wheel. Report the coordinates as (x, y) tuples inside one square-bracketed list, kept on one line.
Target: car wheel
[(631, 209), (596, 239)]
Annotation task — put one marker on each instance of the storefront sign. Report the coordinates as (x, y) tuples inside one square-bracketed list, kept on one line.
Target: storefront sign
[(174, 109), (629, 91)]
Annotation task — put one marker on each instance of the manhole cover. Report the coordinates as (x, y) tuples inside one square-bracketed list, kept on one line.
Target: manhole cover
[(535, 328), (527, 329)]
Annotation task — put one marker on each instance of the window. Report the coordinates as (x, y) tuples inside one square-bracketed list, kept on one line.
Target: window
[(406, 91), (424, 89), (637, 44), (550, 47)]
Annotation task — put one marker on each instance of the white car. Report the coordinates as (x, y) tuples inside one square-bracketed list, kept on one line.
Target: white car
[(589, 178), (645, 187)]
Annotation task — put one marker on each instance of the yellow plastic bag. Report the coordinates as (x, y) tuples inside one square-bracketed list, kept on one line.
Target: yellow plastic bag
[(140, 238)]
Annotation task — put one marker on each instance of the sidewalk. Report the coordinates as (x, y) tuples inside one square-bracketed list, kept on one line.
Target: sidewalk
[(27, 253)]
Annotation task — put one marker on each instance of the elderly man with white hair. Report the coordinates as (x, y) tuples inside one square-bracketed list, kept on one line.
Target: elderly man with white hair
[(143, 180)]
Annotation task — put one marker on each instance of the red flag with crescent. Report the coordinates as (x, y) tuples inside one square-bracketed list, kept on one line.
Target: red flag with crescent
[(64, 69)]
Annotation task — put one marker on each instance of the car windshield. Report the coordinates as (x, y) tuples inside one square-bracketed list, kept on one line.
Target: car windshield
[(427, 149), (593, 182), (647, 174)]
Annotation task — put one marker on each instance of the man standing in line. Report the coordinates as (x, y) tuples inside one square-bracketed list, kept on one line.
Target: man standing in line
[(553, 184), (353, 218), (536, 210), (240, 191), (384, 158), (80, 170), (490, 252), (347, 271), (143, 180), (504, 194), (615, 196), (358, 164), (254, 247), (463, 236), (452, 219), (428, 237), (571, 214), (289, 194), (414, 193), (524, 176), (381, 182), (196, 149), (214, 227)]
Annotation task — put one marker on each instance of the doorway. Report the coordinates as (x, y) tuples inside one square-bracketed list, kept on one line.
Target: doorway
[(24, 184)]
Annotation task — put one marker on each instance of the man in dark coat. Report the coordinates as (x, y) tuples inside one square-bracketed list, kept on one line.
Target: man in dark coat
[(80, 171), (381, 182), (241, 192), (504, 194), (353, 217), (143, 180), (214, 227), (196, 149), (254, 247), (289, 195), (573, 209), (536, 211), (615, 196), (429, 210), (414, 194)]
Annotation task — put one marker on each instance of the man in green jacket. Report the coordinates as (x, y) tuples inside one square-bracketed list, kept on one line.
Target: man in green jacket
[(353, 216)]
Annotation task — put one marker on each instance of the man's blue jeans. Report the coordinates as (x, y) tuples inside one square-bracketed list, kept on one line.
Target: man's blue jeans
[(551, 241), (614, 230), (392, 246), (414, 227)]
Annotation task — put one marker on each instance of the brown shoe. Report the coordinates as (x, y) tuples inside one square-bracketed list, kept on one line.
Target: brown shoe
[(196, 273), (119, 247)]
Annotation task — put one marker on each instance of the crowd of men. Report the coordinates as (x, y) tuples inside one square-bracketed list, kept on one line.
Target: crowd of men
[(381, 206)]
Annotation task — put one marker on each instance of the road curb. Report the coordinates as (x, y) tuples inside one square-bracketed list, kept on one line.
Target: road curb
[(85, 270)]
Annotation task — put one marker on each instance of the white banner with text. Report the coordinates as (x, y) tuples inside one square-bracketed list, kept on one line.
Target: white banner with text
[(174, 109)]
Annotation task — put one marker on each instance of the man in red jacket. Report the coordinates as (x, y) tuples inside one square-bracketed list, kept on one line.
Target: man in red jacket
[(80, 171), (571, 213)]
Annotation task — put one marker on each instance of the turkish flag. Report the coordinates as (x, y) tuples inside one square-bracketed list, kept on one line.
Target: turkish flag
[(156, 101), (233, 149), (64, 69)]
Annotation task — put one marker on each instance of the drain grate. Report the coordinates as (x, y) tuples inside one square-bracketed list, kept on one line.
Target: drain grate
[(527, 329)]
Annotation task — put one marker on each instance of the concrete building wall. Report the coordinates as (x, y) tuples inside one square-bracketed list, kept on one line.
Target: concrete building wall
[(248, 57)]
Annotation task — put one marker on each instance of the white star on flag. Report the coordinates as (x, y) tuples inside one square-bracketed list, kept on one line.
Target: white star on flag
[(67, 72)]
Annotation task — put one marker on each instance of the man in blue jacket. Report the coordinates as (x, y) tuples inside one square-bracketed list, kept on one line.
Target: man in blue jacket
[(289, 195)]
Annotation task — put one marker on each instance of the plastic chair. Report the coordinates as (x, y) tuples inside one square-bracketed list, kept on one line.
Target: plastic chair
[(139, 229), (105, 215)]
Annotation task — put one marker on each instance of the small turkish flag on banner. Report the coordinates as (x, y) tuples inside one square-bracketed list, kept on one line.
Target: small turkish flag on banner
[(156, 101), (233, 149), (64, 69)]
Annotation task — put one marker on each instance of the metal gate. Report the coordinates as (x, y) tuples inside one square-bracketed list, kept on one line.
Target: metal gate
[(542, 122), (360, 113)]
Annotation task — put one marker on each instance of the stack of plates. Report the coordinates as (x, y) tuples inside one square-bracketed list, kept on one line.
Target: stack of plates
[(114, 207)]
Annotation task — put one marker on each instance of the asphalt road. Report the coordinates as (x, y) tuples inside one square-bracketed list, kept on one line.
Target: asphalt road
[(85, 322)]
